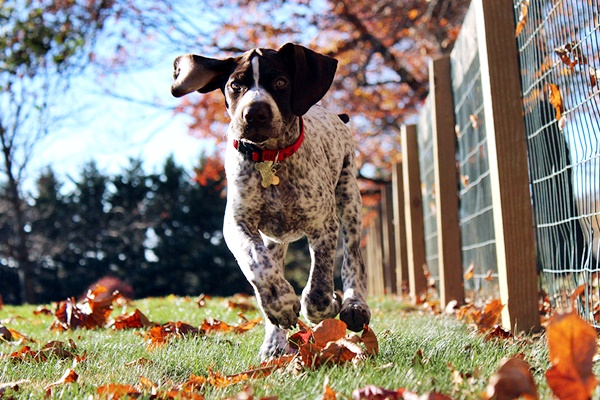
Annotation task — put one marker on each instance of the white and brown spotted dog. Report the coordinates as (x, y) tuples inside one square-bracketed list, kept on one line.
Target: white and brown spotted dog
[(291, 173)]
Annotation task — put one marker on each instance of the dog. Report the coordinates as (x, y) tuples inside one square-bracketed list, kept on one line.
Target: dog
[(291, 172)]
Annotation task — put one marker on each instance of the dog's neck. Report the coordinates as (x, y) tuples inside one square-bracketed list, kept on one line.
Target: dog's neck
[(274, 150)]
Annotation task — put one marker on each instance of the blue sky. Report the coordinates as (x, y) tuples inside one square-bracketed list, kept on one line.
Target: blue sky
[(111, 130)]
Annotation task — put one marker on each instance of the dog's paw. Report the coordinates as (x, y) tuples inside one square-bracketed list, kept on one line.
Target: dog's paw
[(275, 343), (317, 307), (355, 313), (281, 305)]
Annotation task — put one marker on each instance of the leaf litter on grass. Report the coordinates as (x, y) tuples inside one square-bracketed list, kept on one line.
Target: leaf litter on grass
[(571, 341)]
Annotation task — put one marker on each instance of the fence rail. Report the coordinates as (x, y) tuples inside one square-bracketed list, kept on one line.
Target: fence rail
[(498, 192)]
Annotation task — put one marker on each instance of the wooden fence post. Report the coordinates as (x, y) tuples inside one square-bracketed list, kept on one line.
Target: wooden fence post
[(400, 228), (375, 285), (513, 221), (446, 182), (413, 211), (389, 241)]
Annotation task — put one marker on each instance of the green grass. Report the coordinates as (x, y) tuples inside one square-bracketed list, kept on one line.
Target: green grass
[(418, 351)]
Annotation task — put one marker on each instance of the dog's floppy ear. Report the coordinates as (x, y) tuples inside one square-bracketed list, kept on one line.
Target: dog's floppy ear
[(197, 73), (312, 75)]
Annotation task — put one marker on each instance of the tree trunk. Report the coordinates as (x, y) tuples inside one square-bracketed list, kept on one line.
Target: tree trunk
[(18, 248)]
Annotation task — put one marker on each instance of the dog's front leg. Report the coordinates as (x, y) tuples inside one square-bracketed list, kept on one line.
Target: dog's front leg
[(319, 301), (261, 261)]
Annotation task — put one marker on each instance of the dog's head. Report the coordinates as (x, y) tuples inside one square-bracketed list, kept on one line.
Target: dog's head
[(264, 89)]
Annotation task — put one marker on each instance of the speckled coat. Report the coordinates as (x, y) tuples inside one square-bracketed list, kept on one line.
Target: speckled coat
[(317, 195)]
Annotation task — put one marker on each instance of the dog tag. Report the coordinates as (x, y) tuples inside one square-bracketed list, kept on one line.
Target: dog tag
[(267, 171)]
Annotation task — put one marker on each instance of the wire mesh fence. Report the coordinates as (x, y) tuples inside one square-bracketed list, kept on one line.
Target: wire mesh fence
[(559, 54), (426, 162), (476, 212)]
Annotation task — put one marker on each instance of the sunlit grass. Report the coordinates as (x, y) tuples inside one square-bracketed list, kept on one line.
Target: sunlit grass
[(418, 351)]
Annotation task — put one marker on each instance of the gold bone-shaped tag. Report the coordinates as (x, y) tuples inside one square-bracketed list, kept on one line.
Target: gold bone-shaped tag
[(268, 173)]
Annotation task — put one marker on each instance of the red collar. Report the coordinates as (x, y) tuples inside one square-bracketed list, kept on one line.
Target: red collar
[(257, 154)]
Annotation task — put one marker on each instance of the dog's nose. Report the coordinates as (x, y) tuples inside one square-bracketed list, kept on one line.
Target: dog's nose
[(259, 112)]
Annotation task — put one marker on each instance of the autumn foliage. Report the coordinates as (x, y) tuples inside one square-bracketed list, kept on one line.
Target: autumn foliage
[(571, 341)]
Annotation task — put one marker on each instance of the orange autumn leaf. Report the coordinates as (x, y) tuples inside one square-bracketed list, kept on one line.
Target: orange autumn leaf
[(572, 346), (245, 307), (470, 272), (329, 330), (214, 325), (522, 17), (556, 100), (89, 314), (69, 376), (116, 391), (491, 314), (135, 320), (160, 335), (512, 380), (370, 340)]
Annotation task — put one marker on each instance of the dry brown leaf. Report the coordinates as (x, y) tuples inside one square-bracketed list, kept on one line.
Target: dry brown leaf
[(372, 392), (329, 330), (133, 321), (89, 314), (572, 346), (245, 307), (12, 386), (555, 99), (115, 391), (474, 121), (160, 335), (512, 380), (69, 376), (470, 272), (524, 10), (370, 340), (594, 76), (491, 314)]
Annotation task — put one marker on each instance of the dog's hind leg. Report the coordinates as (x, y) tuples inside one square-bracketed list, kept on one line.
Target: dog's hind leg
[(355, 311)]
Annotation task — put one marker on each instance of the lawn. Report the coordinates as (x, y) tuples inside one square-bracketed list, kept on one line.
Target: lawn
[(418, 350)]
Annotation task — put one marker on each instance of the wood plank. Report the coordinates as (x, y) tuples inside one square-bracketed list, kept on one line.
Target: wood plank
[(505, 129), (400, 228), (388, 238), (413, 212), (446, 186)]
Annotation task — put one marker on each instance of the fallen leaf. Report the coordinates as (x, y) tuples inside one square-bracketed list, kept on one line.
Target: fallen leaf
[(5, 334), (328, 393), (245, 307), (513, 380), (133, 321), (42, 310), (160, 335), (54, 348), (69, 376), (372, 392), (11, 386), (329, 330), (370, 340), (116, 391), (89, 314), (491, 314), (572, 346), (555, 99)]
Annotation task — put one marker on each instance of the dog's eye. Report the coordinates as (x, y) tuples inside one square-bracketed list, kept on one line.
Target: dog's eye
[(235, 86), (281, 83)]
